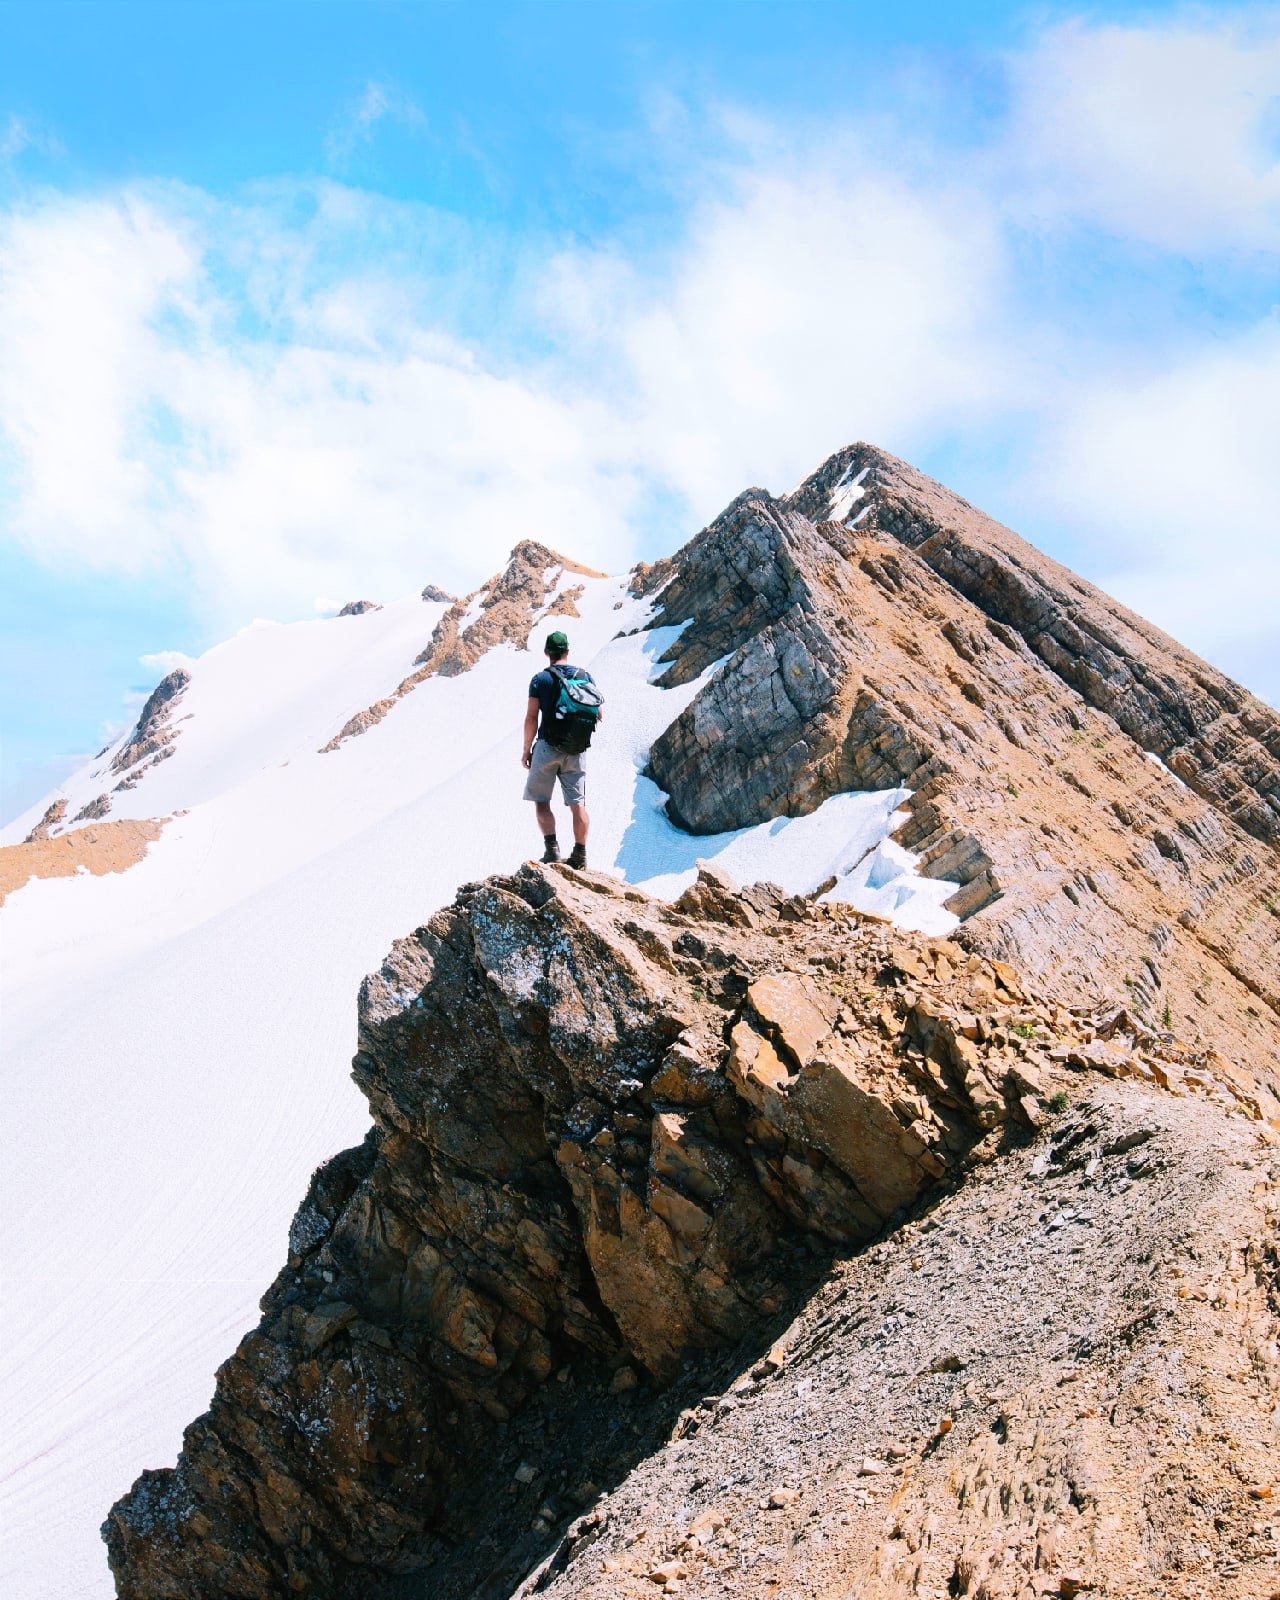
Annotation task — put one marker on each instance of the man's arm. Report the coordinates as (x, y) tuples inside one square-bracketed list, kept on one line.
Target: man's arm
[(530, 729)]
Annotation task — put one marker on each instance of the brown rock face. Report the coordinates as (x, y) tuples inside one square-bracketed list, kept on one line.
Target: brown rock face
[(153, 734), (601, 1125), (1219, 739), (52, 818), (501, 612), (606, 1129), (95, 809), (1037, 1388), (876, 631)]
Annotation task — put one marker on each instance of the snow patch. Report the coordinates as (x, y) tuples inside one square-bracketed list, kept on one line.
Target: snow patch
[(888, 883), (846, 494), (845, 838), (475, 608)]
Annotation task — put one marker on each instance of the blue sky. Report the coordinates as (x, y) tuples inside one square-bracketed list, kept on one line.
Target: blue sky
[(305, 301)]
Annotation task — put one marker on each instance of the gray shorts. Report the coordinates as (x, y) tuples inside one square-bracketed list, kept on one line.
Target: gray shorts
[(547, 765)]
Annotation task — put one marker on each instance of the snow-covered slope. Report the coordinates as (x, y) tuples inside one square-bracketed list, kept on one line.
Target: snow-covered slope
[(178, 1035)]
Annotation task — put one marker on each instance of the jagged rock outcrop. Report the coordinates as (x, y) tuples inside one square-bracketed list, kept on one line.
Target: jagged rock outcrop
[(873, 630), (357, 608), (51, 819), (154, 733), (94, 810), (602, 1124), (502, 612)]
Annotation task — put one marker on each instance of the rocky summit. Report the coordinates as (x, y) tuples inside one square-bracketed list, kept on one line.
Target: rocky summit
[(747, 1244), (1109, 803)]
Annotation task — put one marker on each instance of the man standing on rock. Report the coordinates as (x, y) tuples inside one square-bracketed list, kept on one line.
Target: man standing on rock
[(563, 712)]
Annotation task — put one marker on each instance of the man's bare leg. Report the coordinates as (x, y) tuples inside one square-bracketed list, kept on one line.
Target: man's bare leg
[(581, 823), (546, 817)]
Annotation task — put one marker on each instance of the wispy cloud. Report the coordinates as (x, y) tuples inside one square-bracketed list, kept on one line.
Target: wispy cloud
[(356, 126), (1165, 134), (20, 133), (15, 137)]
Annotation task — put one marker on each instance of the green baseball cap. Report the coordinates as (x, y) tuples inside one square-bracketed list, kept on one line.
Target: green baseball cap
[(556, 641)]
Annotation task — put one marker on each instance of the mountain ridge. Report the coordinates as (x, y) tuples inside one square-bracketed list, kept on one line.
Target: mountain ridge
[(1050, 841)]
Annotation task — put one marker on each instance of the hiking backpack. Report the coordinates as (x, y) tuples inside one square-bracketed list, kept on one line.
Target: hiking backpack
[(577, 711)]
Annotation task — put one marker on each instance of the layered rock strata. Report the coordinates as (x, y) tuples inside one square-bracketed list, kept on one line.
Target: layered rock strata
[(1219, 739), (1107, 802), (602, 1124)]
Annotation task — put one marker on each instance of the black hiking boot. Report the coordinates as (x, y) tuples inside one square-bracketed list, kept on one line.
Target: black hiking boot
[(550, 849), (578, 856)]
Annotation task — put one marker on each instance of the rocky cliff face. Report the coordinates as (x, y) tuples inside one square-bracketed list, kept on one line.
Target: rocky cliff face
[(603, 1126), (1221, 740), (1108, 803)]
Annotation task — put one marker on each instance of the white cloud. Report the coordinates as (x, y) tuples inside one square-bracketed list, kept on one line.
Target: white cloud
[(144, 433), (20, 134), (78, 283), (808, 305), (15, 138), (356, 126), (1175, 477), (1164, 133), (165, 661), (366, 448)]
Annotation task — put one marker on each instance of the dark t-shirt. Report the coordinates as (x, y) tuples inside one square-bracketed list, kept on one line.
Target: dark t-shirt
[(545, 689)]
